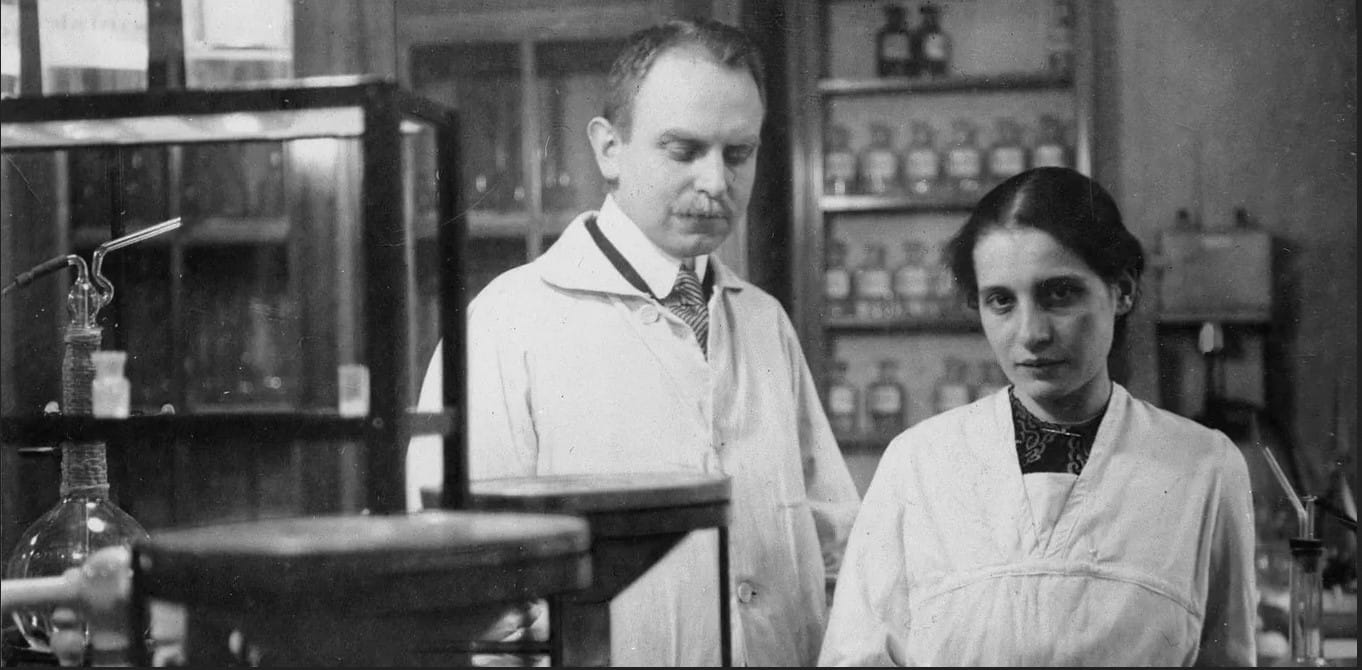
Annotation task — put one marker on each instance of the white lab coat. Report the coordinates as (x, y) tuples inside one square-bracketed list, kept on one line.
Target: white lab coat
[(1149, 561), (573, 370)]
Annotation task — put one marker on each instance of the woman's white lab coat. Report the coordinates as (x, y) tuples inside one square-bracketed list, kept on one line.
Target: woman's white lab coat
[(573, 370), (1150, 561)]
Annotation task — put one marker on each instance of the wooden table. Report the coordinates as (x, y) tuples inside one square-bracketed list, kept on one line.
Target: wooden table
[(404, 590), (635, 520)]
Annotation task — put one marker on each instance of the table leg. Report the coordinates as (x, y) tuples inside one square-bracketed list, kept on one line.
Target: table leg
[(725, 610), (581, 632)]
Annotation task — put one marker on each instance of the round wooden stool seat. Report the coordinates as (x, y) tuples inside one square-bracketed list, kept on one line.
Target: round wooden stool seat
[(357, 590), (617, 505)]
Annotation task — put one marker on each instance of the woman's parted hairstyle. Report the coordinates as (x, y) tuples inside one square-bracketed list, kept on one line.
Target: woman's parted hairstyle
[(1073, 209), (728, 46)]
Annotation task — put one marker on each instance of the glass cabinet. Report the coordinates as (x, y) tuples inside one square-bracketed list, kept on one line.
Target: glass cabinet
[(317, 237)]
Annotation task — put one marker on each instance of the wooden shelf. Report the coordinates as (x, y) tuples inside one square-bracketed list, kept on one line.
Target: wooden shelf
[(1007, 81), (886, 203), (1239, 318), (947, 325)]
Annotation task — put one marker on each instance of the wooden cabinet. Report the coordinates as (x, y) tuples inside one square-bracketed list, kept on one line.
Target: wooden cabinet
[(886, 168)]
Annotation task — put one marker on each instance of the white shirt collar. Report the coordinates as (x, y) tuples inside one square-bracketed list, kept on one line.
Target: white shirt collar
[(657, 267)]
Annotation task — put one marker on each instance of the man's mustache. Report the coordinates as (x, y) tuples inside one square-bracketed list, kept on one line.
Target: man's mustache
[(702, 207)]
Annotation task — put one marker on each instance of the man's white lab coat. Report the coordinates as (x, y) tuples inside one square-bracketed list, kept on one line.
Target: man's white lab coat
[(573, 370)]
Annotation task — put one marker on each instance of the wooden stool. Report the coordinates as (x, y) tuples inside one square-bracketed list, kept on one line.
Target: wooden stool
[(404, 590), (635, 520)]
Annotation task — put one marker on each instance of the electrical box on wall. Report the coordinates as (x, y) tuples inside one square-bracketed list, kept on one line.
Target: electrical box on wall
[(1221, 275)]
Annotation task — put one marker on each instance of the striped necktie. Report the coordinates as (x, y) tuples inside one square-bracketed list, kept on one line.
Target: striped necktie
[(687, 300)]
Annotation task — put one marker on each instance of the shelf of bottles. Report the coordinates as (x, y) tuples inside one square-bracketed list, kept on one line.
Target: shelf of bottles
[(922, 107)]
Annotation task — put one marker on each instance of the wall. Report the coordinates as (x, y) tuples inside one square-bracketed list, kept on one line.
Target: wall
[(1211, 105)]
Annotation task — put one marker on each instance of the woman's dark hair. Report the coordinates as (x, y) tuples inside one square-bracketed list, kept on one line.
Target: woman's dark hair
[(1072, 208)]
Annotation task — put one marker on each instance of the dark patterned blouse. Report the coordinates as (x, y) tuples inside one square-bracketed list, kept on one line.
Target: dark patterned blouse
[(1051, 447)]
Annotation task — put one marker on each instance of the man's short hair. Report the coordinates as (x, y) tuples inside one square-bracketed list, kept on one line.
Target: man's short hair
[(725, 44)]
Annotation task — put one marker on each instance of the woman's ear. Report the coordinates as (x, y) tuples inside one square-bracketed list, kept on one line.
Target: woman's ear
[(1126, 287)]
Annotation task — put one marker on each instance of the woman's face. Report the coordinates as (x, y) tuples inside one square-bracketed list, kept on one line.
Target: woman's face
[(1049, 319)]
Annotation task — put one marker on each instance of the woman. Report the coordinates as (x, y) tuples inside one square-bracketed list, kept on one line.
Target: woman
[(1060, 521)]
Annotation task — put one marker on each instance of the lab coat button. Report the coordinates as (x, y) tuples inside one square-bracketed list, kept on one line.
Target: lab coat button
[(745, 592), (648, 314)]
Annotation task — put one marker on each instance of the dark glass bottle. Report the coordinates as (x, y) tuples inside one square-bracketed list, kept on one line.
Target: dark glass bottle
[(1051, 149), (931, 44), (837, 281), (886, 399), (879, 163), (1007, 156), (922, 162), (843, 402), (873, 285), (839, 162), (893, 44), (964, 160)]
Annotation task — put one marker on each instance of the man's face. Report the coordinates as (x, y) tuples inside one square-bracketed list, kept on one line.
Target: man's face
[(685, 172)]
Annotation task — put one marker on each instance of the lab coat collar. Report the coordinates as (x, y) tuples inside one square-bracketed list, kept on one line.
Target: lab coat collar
[(657, 267), (574, 262)]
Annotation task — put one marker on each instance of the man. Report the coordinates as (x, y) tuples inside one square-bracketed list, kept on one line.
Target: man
[(583, 361)]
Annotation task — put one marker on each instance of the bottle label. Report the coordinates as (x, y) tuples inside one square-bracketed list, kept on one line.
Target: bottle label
[(873, 284), (842, 401), (951, 395), (881, 165), (963, 163), (840, 165), (837, 284), (1050, 155), (894, 47), (1006, 161), (923, 164), (912, 282), (934, 47), (886, 399)]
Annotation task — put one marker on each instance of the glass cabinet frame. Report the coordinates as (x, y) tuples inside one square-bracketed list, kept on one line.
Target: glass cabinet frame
[(372, 110)]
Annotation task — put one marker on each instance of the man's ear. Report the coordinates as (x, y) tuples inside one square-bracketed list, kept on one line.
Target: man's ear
[(605, 143)]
